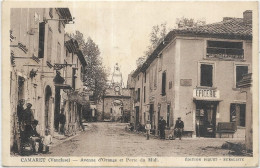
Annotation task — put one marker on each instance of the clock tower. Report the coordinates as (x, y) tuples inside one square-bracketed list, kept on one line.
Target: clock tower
[(117, 80)]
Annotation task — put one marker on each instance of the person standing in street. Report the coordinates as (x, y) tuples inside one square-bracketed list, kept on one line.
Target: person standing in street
[(47, 140), (62, 121), (27, 120), (27, 117), (147, 128), (20, 110), (162, 128), (179, 125)]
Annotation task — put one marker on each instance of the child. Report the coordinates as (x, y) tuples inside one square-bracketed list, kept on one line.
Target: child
[(47, 140), (147, 128)]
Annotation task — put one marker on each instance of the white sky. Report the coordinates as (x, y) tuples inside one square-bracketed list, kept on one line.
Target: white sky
[(121, 29)]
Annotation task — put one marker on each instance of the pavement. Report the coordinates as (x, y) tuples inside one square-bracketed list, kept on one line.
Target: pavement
[(111, 139)]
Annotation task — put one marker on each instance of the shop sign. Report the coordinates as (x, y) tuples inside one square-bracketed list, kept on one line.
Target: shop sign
[(205, 93)]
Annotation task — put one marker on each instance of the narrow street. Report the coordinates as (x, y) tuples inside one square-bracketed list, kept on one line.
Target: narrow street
[(111, 139)]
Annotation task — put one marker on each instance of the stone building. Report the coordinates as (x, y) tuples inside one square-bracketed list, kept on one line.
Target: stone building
[(38, 62), (72, 90), (116, 102), (193, 74), (131, 87)]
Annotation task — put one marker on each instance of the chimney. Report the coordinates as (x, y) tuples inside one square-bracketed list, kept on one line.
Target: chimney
[(247, 17)]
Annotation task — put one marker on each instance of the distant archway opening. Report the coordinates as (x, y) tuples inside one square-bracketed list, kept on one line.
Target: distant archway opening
[(117, 109)]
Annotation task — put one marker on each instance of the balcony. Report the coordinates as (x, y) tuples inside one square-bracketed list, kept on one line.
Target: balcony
[(208, 94), (225, 53)]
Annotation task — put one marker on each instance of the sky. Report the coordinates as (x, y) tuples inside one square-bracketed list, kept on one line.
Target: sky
[(121, 29)]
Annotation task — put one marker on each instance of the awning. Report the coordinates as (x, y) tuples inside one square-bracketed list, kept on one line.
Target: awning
[(62, 86)]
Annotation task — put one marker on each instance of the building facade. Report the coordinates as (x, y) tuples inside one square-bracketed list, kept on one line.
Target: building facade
[(38, 64), (193, 74), (73, 97)]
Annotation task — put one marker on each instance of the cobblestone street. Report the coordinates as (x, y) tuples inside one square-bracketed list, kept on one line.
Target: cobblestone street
[(111, 139)]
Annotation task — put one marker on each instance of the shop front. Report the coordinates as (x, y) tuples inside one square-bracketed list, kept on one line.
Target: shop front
[(206, 101), (206, 118)]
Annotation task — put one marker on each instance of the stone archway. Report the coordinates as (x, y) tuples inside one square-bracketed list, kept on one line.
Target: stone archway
[(117, 109), (48, 107)]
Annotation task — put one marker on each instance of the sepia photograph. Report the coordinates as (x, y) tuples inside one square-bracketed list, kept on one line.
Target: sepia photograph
[(137, 83)]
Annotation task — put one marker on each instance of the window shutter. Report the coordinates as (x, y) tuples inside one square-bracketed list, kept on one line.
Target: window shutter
[(41, 40)]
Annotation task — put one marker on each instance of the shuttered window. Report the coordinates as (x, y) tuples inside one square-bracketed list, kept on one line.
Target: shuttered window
[(163, 83), (240, 71), (49, 45), (58, 53), (73, 78), (41, 39), (144, 94), (206, 76), (155, 78), (138, 94)]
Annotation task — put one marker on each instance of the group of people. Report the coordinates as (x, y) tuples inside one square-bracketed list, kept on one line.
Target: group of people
[(28, 133), (178, 128)]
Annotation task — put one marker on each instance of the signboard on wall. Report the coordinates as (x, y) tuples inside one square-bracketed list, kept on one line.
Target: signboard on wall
[(186, 82), (205, 93)]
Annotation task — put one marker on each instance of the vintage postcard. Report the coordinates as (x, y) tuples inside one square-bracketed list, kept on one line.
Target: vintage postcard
[(135, 83)]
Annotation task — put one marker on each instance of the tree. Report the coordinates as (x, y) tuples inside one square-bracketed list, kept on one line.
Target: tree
[(140, 61), (157, 35), (95, 77), (80, 38), (159, 32), (189, 22)]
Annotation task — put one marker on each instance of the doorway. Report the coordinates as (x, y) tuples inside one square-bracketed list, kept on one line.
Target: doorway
[(48, 103), (20, 88), (57, 109), (158, 114), (206, 118), (151, 113), (136, 116), (168, 115)]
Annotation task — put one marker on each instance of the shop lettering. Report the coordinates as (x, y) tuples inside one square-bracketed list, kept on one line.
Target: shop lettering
[(205, 93)]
